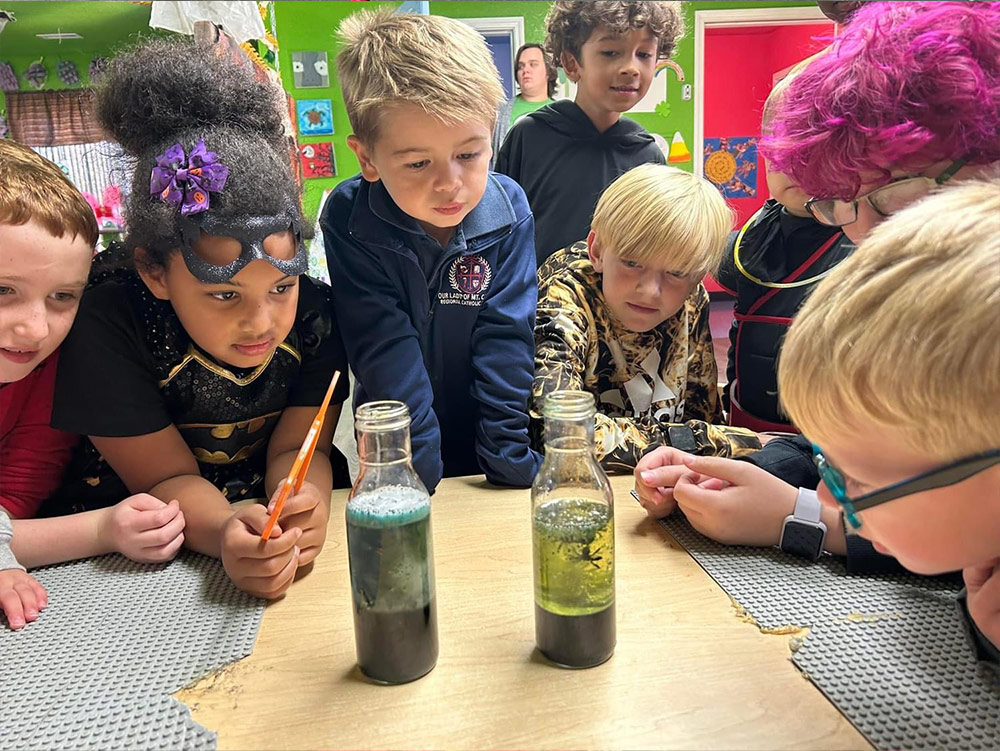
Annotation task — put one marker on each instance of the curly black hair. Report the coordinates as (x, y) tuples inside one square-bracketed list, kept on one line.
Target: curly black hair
[(164, 92), (569, 24)]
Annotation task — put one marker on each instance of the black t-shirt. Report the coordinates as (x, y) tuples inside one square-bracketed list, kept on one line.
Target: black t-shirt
[(129, 368)]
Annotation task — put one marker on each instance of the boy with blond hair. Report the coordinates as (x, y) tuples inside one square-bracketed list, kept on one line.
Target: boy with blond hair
[(891, 371), (431, 256), (565, 154), (624, 316)]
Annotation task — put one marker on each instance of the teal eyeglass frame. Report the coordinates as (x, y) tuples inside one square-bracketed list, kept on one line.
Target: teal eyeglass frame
[(941, 477)]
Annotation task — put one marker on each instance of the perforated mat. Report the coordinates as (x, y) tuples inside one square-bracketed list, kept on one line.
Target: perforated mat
[(891, 652), (96, 668)]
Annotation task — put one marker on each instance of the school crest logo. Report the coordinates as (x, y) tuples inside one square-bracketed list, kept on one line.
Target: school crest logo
[(468, 279)]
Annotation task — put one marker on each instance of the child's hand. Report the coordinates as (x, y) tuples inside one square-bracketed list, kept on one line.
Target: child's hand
[(655, 476), (307, 511), (264, 569), (982, 583), (734, 502), (143, 528), (21, 597)]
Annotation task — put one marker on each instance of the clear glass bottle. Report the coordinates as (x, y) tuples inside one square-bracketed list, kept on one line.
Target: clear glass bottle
[(390, 551), (573, 529)]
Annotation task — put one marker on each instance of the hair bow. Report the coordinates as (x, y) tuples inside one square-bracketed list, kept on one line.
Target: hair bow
[(175, 179)]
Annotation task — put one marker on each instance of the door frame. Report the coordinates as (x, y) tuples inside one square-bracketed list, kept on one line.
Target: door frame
[(793, 16), (513, 25)]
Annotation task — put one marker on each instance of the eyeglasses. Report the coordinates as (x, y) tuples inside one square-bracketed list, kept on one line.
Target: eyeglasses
[(885, 201), (949, 474)]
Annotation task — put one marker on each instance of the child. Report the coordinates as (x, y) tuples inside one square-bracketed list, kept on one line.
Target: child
[(212, 352), (624, 316), (565, 154), (891, 371), (431, 256), (773, 262), (47, 238), (932, 58)]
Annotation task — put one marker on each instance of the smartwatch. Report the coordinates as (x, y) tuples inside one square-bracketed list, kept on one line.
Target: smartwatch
[(803, 534)]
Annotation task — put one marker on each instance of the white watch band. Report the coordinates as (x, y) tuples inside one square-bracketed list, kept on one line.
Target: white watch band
[(807, 506)]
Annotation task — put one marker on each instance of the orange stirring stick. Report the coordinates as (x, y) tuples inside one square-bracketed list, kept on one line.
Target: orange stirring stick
[(300, 466)]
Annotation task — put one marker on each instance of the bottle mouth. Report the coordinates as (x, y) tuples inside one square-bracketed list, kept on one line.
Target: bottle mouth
[(569, 405), (382, 415)]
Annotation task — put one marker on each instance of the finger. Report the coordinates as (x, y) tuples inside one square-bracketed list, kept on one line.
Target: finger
[(275, 547), (660, 457), (162, 535), (271, 585), (713, 483), (29, 603), (166, 552), (10, 603), (274, 496), (41, 596), (144, 502), (661, 510), (730, 470), (977, 576), (692, 496), (298, 504), (664, 477)]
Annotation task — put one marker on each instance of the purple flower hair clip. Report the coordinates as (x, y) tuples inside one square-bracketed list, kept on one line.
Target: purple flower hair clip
[(188, 182)]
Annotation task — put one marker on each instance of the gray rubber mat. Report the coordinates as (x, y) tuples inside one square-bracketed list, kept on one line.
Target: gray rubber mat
[(97, 667), (891, 652)]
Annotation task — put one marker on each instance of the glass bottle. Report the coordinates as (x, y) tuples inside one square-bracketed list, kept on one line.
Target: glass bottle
[(573, 530), (390, 551)]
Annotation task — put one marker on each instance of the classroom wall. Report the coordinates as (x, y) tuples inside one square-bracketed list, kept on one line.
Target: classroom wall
[(307, 26)]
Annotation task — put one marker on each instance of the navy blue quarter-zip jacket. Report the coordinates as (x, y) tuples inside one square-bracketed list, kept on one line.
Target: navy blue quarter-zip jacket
[(455, 343)]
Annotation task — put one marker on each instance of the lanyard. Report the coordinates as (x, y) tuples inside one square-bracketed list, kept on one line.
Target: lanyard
[(776, 285)]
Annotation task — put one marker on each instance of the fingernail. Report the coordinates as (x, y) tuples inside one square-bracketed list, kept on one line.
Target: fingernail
[(296, 551), (646, 476)]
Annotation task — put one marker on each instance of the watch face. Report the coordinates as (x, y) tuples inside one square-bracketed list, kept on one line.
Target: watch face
[(803, 539)]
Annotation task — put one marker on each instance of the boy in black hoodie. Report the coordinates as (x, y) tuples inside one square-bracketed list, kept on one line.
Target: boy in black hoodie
[(565, 154)]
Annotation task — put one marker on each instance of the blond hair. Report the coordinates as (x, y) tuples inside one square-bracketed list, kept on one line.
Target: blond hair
[(902, 335), (439, 64), (33, 188), (655, 212)]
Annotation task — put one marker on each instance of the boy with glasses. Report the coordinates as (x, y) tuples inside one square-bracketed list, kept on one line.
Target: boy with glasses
[(923, 112)]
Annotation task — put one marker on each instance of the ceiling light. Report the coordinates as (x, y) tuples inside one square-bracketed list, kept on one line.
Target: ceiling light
[(60, 36)]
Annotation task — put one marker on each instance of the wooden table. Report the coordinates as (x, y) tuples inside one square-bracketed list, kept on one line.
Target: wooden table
[(687, 673)]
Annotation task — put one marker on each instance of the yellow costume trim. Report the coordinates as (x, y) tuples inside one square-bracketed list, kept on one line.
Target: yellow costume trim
[(193, 355), (761, 282)]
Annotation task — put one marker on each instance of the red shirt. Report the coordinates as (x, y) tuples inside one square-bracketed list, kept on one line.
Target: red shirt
[(33, 455)]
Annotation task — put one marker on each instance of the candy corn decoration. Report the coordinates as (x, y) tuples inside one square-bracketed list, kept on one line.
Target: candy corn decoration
[(678, 150)]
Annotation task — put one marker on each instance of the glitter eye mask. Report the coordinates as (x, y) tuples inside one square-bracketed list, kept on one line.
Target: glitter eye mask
[(189, 180)]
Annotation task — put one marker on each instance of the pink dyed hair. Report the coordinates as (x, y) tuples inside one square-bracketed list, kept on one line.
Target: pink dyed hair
[(908, 84)]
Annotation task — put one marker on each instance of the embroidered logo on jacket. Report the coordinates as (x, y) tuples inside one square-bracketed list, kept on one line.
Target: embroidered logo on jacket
[(468, 279)]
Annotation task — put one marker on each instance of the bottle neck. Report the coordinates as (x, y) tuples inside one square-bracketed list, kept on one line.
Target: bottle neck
[(382, 446), (569, 435)]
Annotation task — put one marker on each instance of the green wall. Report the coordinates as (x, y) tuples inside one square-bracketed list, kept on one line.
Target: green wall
[(304, 26)]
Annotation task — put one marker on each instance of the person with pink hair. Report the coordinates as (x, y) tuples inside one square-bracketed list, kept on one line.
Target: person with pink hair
[(905, 101)]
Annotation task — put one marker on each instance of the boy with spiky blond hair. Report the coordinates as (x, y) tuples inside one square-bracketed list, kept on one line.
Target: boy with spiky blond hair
[(624, 316), (891, 370), (431, 256)]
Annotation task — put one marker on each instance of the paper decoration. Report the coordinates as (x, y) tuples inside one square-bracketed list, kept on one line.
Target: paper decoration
[(68, 73), (679, 152), (98, 69), (318, 159), (310, 70), (658, 86), (36, 74), (731, 163), (8, 78), (315, 117)]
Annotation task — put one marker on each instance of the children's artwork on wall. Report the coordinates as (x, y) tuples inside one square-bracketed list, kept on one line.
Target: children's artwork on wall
[(657, 92), (310, 71), (36, 74), (731, 163), (315, 117), (318, 159), (8, 78), (68, 73)]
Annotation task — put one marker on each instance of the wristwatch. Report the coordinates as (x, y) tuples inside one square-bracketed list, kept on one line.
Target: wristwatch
[(803, 534)]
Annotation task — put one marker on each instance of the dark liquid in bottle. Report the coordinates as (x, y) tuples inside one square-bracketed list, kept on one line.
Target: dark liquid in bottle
[(396, 646), (392, 584), (576, 641)]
